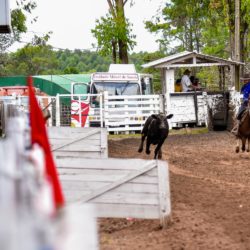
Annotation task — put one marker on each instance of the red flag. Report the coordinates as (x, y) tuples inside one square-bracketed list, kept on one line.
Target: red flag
[(39, 136)]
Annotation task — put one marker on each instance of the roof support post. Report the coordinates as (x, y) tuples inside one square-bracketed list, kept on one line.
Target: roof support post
[(237, 77), (237, 45), (194, 60), (168, 82)]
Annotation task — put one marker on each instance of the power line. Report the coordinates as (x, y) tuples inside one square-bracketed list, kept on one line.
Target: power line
[(58, 48)]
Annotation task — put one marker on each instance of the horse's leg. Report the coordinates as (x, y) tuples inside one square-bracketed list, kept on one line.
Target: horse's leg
[(237, 150), (248, 144), (243, 148), (142, 141)]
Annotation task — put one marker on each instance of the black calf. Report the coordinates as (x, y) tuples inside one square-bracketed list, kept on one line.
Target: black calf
[(156, 130)]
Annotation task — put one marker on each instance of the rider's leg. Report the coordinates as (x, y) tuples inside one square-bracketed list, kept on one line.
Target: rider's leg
[(241, 110)]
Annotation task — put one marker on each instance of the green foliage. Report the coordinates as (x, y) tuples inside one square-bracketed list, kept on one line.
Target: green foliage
[(144, 57), (181, 22), (42, 59), (18, 20), (71, 70), (18, 23), (108, 31), (83, 61), (206, 26), (32, 60), (104, 33), (114, 32), (209, 78)]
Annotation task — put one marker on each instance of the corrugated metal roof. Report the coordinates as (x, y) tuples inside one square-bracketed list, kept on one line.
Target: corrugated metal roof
[(65, 81), (185, 55)]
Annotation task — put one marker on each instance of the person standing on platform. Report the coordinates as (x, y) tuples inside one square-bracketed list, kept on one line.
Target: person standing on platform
[(186, 82)]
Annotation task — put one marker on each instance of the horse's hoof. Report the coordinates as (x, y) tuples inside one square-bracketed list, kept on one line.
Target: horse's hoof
[(140, 150), (237, 150), (148, 152), (248, 150)]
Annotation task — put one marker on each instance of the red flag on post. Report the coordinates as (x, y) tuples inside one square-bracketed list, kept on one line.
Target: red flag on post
[(39, 136)]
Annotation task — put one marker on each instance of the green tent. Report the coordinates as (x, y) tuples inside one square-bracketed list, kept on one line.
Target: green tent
[(49, 84)]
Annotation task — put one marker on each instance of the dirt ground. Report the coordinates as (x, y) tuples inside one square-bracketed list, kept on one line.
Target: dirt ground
[(210, 196)]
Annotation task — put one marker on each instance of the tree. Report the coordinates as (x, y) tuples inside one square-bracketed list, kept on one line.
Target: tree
[(207, 26), (32, 60), (113, 32), (181, 22), (71, 70), (226, 11), (18, 23)]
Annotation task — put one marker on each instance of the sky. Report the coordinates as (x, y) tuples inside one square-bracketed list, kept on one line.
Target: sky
[(71, 22)]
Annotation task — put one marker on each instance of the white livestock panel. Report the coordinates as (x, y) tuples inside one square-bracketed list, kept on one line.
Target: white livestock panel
[(202, 109), (67, 142), (188, 108), (235, 100), (128, 113), (77, 228), (119, 188)]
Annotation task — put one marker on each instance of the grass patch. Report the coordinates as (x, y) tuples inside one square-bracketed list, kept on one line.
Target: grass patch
[(182, 131), (124, 136), (188, 131)]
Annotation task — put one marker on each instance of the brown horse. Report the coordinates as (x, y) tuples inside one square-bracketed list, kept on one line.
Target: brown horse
[(244, 131)]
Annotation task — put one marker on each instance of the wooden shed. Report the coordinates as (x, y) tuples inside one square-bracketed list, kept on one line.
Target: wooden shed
[(191, 107)]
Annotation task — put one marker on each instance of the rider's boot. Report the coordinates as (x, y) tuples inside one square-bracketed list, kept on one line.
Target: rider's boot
[(235, 130)]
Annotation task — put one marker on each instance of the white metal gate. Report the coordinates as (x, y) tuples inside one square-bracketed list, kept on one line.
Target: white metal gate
[(67, 142), (118, 187), (129, 113)]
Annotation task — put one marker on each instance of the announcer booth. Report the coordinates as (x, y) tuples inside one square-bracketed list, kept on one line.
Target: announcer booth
[(201, 106), (5, 20)]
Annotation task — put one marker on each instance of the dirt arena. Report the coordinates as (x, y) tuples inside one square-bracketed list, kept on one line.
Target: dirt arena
[(210, 195)]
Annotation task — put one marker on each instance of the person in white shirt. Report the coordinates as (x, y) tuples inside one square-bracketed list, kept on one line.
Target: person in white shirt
[(185, 81)]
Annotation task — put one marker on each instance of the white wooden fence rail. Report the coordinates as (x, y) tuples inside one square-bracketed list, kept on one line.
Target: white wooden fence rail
[(26, 221), (129, 113), (67, 142), (119, 188)]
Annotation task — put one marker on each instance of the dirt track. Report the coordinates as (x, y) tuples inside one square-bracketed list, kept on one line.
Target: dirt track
[(210, 195)]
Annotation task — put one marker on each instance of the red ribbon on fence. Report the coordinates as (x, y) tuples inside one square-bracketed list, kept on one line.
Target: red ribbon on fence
[(39, 136)]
